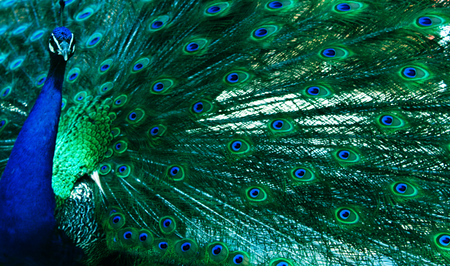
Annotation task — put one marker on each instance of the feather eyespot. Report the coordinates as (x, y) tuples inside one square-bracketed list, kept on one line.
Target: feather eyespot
[(275, 4), (261, 32), (238, 259), (163, 245), (186, 247), (41, 81)]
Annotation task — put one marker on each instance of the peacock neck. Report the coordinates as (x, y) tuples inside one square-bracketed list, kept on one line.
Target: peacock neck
[(26, 195)]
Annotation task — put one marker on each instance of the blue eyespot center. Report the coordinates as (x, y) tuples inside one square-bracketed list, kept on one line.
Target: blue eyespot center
[(116, 219), (344, 214), (94, 41), (275, 4), (344, 155), (105, 67), (85, 15), (444, 240), (157, 24), (278, 124), (254, 192), (118, 102), (122, 169), (174, 170), (300, 173), (313, 91), (213, 9), (42, 80), (236, 145), (387, 120), (401, 188), (425, 21), (2, 123), (154, 131), (132, 116), (185, 247), (158, 87), (198, 107), (330, 52), (6, 92), (163, 245), (192, 47), (410, 72), (127, 235), (80, 98), (104, 167), (73, 76), (138, 66), (343, 7), (143, 237), (217, 249), (233, 78), (261, 32), (105, 88), (118, 146), (167, 222), (17, 63), (238, 259)]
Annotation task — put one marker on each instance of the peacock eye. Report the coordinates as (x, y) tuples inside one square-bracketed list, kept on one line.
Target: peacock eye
[(346, 216), (344, 155), (163, 245), (157, 24), (261, 32), (116, 219), (154, 131), (186, 247), (254, 193), (233, 78), (330, 52), (443, 241), (213, 9), (409, 72), (94, 41), (404, 189), (143, 237), (127, 235), (238, 259), (105, 67), (313, 91), (174, 170), (167, 222), (236, 145), (278, 124), (343, 7), (217, 249), (132, 116), (198, 107), (191, 47), (159, 86), (275, 5), (122, 169), (386, 120)]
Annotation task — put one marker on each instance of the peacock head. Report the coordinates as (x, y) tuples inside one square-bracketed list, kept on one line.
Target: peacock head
[(62, 42)]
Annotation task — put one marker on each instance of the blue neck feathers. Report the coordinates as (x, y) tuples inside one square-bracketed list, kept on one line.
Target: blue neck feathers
[(27, 201)]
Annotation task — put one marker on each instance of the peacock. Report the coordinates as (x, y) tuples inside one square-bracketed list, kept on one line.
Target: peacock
[(225, 132)]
